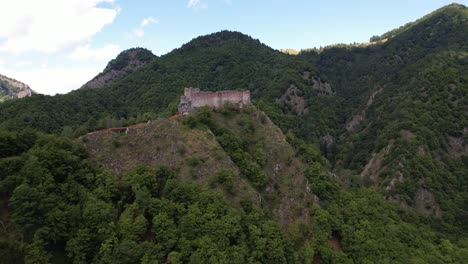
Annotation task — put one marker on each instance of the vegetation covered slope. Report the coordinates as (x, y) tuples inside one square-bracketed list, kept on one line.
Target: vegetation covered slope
[(57, 207), (408, 113), (391, 118), (246, 145), (126, 62)]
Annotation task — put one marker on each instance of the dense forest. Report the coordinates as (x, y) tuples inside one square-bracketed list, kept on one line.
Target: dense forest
[(378, 131)]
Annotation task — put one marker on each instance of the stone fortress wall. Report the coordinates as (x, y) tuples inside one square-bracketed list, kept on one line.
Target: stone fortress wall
[(193, 98)]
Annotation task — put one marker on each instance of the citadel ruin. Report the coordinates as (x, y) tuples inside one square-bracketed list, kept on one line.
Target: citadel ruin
[(193, 98)]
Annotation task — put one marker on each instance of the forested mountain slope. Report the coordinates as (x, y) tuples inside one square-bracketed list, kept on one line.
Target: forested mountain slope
[(407, 112), (390, 184), (57, 207), (126, 62), (225, 60)]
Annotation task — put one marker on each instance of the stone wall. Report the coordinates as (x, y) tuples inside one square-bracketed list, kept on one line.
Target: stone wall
[(193, 98)]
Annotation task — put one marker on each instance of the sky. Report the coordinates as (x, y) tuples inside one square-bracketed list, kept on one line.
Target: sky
[(56, 46)]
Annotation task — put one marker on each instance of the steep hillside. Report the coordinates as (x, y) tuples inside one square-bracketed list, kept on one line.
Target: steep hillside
[(11, 89), (200, 152), (56, 206), (407, 112), (126, 62)]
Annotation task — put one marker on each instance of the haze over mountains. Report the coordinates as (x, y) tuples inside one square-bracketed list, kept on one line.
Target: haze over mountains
[(348, 154)]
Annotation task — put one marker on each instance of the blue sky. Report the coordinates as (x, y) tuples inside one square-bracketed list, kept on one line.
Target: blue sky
[(57, 45)]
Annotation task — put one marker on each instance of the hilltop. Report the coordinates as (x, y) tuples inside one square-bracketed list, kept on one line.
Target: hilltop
[(198, 153), (125, 63)]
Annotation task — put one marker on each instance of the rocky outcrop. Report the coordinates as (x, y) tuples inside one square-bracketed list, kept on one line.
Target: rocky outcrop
[(13, 89), (457, 145), (407, 135), (374, 166), (327, 145), (425, 203), (126, 62), (322, 88), (356, 120), (293, 100)]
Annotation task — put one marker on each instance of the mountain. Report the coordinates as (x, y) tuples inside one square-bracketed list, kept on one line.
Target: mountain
[(126, 62), (406, 112), (220, 61), (11, 89), (370, 143)]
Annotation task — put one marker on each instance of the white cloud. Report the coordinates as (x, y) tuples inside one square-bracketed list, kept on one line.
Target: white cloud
[(86, 53), (48, 80), (139, 32), (50, 26), (148, 21), (196, 4), (193, 3)]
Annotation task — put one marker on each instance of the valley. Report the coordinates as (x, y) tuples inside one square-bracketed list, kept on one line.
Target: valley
[(343, 154)]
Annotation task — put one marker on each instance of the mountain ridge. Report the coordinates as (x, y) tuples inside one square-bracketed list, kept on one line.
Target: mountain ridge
[(349, 154), (125, 63)]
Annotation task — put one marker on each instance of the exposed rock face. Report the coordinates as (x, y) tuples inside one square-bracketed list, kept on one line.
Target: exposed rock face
[(323, 88), (355, 121), (458, 145), (407, 135), (394, 180), (126, 62), (352, 125), (421, 150), (193, 98), (335, 241), (425, 203), (12, 89), (374, 165), (327, 143), (294, 100)]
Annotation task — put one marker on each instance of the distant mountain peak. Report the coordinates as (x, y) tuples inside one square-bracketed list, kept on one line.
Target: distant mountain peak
[(12, 89), (455, 12), (126, 62), (219, 38)]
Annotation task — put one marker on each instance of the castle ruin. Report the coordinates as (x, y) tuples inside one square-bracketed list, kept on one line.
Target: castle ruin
[(193, 98)]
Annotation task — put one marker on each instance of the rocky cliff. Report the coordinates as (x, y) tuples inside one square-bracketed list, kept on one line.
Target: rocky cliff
[(12, 89)]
